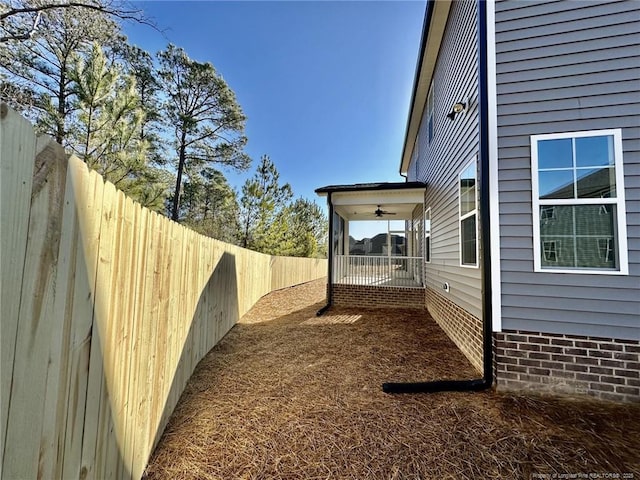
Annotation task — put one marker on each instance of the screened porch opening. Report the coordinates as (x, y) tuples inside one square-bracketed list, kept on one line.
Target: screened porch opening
[(379, 253), (377, 234)]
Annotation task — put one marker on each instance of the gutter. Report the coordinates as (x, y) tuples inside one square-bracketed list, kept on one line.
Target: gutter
[(329, 260), (487, 344)]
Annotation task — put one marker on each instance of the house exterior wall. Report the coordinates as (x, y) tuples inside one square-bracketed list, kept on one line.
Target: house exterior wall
[(439, 162), (565, 67)]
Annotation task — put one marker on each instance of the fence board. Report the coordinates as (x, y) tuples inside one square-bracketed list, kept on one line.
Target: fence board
[(80, 347), (127, 294), (144, 352), (17, 151), (27, 409), (107, 308), (90, 224), (55, 400)]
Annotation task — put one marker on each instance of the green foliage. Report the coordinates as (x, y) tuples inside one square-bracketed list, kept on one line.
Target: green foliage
[(273, 224), (41, 65), (106, 132), (210, 206), (306, 235), (139, 64), (203, 112), (263, 199), (71, 72)]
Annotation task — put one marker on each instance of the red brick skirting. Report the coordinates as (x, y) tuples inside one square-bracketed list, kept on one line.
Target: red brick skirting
[(463, 328), (368, 296), (601, 367)]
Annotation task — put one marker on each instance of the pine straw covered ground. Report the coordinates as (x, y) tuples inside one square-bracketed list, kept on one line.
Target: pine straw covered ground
[(290, 395)]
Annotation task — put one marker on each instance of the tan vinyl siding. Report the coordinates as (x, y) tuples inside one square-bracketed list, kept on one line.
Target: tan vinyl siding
[(565, 67), (454, 145)]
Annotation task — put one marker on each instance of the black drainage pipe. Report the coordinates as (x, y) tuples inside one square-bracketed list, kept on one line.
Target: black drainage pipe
[(329, 260), (485, 221), (435, 386)]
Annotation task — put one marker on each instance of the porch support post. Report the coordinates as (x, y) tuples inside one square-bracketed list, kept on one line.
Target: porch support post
[(345, 240), (329, 259)]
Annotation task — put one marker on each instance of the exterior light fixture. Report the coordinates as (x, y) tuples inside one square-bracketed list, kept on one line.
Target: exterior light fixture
[(457, 108)]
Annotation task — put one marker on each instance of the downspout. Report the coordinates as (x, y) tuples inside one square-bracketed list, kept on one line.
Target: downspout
[(329, 260), (485, 221)]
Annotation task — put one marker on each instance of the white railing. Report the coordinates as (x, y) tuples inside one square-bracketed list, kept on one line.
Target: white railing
[(383, 271)]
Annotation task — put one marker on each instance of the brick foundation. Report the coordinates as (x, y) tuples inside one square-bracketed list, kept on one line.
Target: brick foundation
[(601, 367), (368, 296), (463, 328)]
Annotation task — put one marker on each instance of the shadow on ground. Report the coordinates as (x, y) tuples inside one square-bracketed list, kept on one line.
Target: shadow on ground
[(290, 395)]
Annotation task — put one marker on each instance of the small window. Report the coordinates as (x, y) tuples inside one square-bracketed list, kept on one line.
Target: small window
[(578, 202), (427, 235), (430, 109), (468, 217)]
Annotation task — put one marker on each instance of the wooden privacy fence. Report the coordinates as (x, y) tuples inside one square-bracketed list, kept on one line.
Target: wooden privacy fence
[(107, 308)]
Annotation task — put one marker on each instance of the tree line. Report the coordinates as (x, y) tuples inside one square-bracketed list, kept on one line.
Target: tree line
[(161, 127)]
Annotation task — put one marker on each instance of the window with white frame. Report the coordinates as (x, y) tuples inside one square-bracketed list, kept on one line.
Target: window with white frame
[(578, 202), (430, 109), (427, 235), (468, 218)]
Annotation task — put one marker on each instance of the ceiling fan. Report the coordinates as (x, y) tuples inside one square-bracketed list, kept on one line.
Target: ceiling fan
[(379, 212)]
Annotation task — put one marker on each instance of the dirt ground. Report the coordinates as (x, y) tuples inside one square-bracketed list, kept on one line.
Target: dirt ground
[(289, 395)]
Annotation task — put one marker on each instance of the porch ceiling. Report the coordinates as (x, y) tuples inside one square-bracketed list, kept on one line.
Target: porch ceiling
[(360, 201)]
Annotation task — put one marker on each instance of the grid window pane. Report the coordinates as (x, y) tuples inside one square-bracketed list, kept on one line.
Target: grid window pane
[(557, 251), (555, 153), (556, 184), (468, 237), (596, 182), (467, 196), (468, 193), (594, 151)]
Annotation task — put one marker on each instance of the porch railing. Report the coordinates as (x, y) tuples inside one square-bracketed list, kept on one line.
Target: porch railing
[(383, 271)]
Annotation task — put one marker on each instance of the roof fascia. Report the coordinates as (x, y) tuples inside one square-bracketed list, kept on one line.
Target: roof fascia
[(372, 197), (369, 187), (432, 34)]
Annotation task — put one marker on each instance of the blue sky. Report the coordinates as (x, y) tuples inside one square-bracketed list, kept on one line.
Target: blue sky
[(325, 85)]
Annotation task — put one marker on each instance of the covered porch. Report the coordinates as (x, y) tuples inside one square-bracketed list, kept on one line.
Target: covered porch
[(382, 264)]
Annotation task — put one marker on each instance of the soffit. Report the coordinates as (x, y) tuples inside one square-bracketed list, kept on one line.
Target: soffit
[(431, 40)]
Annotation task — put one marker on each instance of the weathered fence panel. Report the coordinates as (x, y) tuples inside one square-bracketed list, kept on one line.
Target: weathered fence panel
[(106, 310)]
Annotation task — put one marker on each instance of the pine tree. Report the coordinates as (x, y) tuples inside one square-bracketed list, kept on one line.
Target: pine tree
[(210, 206), (41, 64), (262, 201), (106, 130), (204, 115), (307, 230)]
